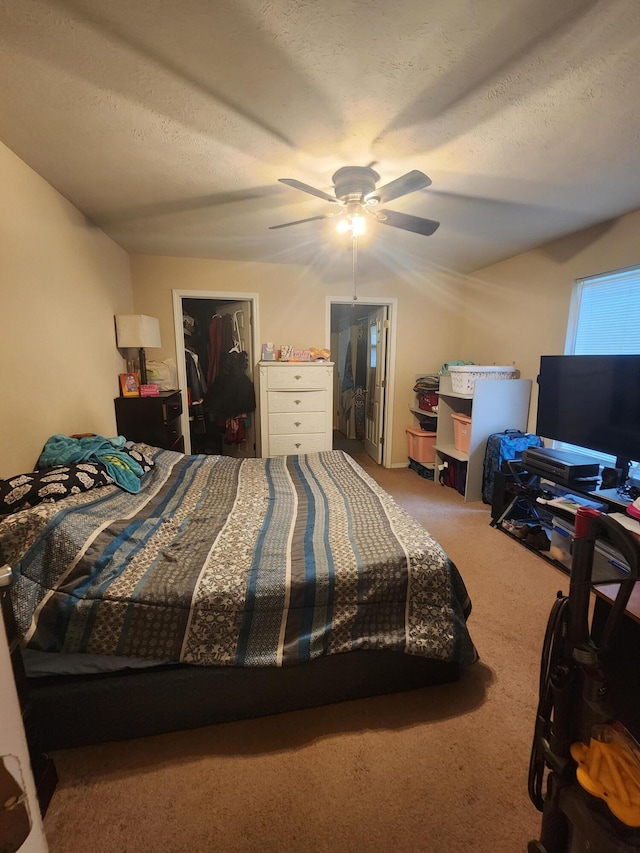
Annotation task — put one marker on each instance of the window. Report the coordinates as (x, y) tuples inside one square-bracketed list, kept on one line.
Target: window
[(605, 315), (605, 320)]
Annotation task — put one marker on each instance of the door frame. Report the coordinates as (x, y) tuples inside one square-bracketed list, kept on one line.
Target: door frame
[(381, 348), (228, 295), (390, 373)]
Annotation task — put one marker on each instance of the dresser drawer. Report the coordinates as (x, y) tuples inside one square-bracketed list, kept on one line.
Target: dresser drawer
[(178, 445), (291, 445), (297, 401), (298, 377), (172, 408), (174, 431), (296, 423)]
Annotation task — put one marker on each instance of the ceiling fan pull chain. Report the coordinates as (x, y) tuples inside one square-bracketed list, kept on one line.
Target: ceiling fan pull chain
[(354, 244)]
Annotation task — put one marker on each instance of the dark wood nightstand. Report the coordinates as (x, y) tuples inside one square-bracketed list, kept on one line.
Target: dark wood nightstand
[(154, 420), (42, 767)]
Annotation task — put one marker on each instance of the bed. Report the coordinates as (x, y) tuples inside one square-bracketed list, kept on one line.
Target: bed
[(223, 589)]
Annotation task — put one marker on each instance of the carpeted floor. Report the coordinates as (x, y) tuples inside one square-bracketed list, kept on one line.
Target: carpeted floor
[(441, 769), (352, 446)]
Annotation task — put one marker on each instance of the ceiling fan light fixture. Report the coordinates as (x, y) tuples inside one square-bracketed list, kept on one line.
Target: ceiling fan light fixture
[(354, 224), (357, 196), (358, 224)]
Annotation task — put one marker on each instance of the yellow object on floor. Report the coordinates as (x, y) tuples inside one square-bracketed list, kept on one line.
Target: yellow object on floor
[(609, 769)]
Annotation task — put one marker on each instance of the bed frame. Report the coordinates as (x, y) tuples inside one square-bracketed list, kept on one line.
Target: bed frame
[(74, 710)]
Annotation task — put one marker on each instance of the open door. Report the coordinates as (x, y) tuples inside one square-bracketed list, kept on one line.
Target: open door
[(243, 307), (376, 382)]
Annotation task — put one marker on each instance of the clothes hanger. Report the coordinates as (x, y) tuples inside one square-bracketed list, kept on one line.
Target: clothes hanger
[(235, 334)]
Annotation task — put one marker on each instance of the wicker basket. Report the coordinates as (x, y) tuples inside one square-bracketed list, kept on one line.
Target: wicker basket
[(463, 376)]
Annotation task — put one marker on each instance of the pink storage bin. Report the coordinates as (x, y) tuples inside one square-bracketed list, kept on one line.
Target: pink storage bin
[(461, 431), (421, 445)]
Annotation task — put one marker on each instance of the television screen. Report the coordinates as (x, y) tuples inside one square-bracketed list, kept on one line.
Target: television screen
[(592, 401)]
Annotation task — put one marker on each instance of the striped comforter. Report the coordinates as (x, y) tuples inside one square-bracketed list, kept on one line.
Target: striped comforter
[(219, 561)]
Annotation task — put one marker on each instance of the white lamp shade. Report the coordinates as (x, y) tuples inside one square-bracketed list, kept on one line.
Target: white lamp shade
[(137, 330)]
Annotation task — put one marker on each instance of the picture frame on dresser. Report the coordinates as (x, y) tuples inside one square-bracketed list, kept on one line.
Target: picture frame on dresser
[(129, 385)]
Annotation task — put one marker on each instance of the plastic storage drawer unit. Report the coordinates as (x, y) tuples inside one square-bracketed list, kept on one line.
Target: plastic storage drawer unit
[(561, 542), (608, 563), (421, 445)]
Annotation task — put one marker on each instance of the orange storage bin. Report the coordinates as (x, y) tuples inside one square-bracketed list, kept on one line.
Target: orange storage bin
[(421, 445), (461, 431)]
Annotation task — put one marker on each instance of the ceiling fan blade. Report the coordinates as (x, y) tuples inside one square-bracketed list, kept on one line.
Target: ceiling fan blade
[(298, 185), (408, 183), (298, 221), (417, 224)]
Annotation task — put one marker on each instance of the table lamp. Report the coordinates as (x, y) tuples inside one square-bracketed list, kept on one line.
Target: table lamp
[(139, 331)]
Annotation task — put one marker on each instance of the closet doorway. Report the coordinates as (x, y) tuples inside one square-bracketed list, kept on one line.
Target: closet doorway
[(216, 347), (362, 344)]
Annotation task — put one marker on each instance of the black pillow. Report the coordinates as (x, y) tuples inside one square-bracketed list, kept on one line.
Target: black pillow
[(144, 461), (52, 484)]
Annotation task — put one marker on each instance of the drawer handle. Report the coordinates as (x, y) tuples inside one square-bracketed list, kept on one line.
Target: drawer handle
[(297, 377), (296, 423), (297, 402), (297, 444)]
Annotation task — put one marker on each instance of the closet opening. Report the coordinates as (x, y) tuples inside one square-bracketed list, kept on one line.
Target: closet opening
[(215, 353), (362, 344)]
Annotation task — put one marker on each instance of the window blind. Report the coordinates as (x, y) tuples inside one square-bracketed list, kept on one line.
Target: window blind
[(607, 320)]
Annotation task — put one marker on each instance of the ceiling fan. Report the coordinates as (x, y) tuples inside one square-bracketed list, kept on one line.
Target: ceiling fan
[(356, 195)]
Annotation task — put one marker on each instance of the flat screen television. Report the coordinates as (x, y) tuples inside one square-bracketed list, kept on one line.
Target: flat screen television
[(592, 401)]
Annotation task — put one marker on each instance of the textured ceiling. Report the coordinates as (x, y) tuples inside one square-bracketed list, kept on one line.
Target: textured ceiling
[(169, 123)]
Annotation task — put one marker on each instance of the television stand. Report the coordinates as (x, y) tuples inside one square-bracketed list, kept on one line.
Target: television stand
[(612, 498), (522, 502), (526, 483), (526, 496)]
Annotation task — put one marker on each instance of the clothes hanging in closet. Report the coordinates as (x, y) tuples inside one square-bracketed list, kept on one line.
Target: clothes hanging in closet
[(232, 393), (196, 383), (220, 342)]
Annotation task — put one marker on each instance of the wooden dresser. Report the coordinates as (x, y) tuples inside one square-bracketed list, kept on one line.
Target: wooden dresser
[(296, 403), (154, 420)]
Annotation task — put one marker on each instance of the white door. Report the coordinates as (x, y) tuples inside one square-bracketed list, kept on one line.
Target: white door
[(242, 337), (376, 382)]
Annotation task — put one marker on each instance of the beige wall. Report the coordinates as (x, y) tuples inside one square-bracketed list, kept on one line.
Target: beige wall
[(61, 282), (292, 309), (518, 310)]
